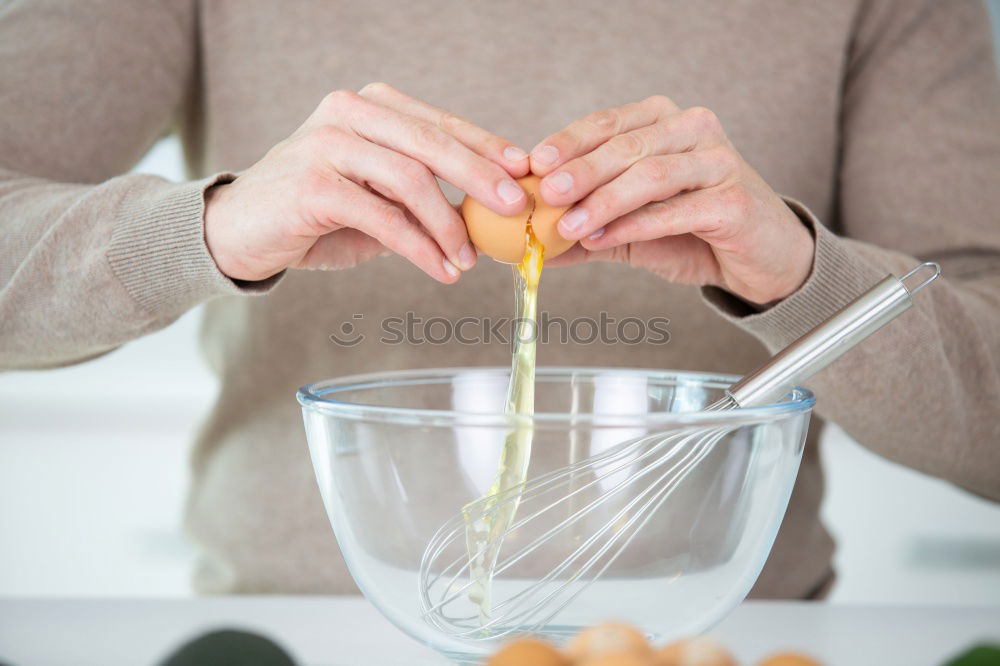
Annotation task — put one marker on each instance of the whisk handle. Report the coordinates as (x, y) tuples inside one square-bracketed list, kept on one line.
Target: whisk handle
[(829, 340)]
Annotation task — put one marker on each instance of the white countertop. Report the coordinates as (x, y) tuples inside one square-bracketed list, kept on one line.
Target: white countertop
[(348, 630)]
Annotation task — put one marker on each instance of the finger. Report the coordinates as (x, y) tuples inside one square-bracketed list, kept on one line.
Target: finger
[(579, 255), (683, 259), (583, 135), (350, 205), (571, 257), (652, 179), (702, 213), (443, 154), (340, 250), (581, 176), (669, 257), (404, 180), (489, 145)]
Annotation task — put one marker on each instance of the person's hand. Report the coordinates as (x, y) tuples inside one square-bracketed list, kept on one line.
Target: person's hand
[(357, 180), (663, 189)]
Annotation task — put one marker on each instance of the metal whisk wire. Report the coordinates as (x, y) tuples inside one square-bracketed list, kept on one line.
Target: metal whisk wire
[(701, 442)]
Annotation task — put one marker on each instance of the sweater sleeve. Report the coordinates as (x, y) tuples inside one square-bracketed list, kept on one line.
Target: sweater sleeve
[(91, 258), (918, 181)]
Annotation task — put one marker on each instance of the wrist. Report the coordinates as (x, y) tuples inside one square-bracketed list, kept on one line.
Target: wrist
[(218, 232), (841, 270), (800, 244), (783, 268)]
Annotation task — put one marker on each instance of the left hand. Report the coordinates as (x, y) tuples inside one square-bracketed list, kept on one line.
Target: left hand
[(663, 189)]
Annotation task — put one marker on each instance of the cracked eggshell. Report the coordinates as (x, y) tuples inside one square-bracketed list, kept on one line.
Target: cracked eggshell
[(502, 236)]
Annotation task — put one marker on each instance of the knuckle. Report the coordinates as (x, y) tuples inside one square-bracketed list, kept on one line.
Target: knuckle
[(602, 203), (606, 121), (413, 174), (629, 145), (725, 158), (392, 219), (428, 136), (451, 122), (493, 145), (339, 99), (571, 140), (704, 118), (376, 89), (482, 170), (661, 103), (654, 172), (586, 169)]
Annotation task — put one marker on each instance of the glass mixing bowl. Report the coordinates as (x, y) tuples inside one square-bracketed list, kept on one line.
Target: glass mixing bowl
[(690, 500)]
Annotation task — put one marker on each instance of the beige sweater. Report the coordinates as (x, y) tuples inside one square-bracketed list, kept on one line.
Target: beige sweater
[(882, 118)]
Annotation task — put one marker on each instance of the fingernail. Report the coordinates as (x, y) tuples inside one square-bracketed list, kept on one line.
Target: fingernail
[(467, 256), (561, 182), (509, 191), (449, 268), (572, 221), (545, 154), (514, 154), (597, 234)]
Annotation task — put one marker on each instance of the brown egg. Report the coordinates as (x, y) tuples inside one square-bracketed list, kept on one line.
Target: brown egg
[(528, 652), (694, 652), (789, 659), (608, 638), (618, 659), (503, 237)]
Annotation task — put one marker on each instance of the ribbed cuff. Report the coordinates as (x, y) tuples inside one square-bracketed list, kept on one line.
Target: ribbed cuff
[(158, 249), (838, 276)]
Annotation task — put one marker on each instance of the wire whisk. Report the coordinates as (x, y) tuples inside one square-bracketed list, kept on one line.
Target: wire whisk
[(640, 475)]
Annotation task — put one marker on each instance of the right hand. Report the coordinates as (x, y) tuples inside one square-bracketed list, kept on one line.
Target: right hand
[(357, 180)]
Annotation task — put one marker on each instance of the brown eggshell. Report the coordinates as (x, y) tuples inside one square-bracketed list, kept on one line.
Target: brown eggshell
[(528, 652), (502, 236), (544, 218), (789, 659), (608, 638), (620, 659), (694, 652)]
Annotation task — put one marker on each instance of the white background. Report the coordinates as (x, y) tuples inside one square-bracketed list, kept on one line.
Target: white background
[(93, 474)]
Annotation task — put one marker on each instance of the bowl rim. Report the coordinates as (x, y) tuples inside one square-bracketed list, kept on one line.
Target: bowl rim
[(313, 397)]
